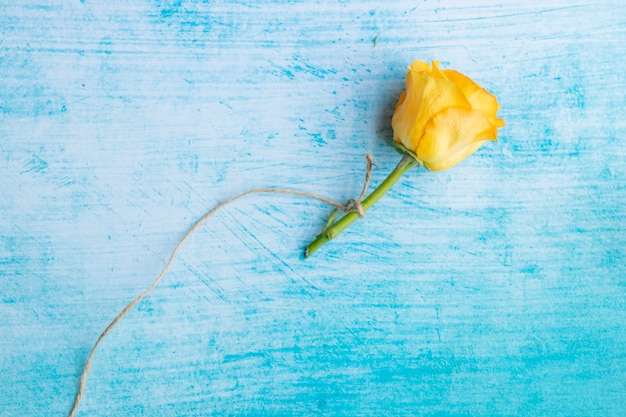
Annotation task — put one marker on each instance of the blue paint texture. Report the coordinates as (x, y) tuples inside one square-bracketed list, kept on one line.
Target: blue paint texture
[(496, 288)]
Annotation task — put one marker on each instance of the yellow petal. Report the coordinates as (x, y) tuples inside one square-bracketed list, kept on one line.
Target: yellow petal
[(436, 72), (420, 66), (401, 99), (426, 96), (451, 136), (456, 158), (479, 98), (407, 108), (496, 122)]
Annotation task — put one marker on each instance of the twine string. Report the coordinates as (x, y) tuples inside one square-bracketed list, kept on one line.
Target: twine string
[(355, 205), (350, 205)]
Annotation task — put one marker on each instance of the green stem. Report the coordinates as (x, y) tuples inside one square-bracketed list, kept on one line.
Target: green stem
[(333, 231)]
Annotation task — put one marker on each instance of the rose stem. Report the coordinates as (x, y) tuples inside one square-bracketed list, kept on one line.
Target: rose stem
[(407, 162)]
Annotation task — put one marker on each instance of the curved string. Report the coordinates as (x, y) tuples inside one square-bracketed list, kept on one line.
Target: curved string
[(351, 205)]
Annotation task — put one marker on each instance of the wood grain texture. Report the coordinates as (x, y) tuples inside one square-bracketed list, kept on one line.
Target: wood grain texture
[(497, 288)]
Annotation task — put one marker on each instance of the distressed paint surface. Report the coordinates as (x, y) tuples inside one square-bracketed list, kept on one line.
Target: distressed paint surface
[(497, 288)]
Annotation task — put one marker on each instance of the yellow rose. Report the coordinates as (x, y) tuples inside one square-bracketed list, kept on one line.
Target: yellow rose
[(441, 119), (444, 116)]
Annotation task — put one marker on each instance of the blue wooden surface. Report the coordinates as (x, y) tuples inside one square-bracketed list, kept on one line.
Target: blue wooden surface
[(497, 288)]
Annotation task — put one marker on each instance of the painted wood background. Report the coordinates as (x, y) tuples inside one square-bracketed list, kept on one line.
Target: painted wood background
[(497, 288)]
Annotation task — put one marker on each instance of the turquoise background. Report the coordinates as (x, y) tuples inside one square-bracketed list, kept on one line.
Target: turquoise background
[(496, 288)]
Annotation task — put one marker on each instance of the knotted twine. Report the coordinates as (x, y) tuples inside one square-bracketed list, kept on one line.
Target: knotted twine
[(349, 206)]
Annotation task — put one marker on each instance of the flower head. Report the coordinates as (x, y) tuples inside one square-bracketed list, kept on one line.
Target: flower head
[(444, 116)]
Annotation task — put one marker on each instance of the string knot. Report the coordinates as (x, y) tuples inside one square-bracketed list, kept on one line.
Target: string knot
[(355, 204)]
